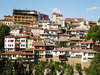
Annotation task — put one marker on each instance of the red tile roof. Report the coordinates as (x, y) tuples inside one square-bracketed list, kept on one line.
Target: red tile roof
[(55, 13), (35, 38), (63, 49), (63, 34), (12, 53), (69, 19), (36, 28), (38, 44), (27, 54), (76, 50), (16, 36), (89, 51), (87, 42), (26, 50)]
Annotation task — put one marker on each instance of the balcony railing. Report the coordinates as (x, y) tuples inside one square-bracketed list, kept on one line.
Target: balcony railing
[(17, 47)]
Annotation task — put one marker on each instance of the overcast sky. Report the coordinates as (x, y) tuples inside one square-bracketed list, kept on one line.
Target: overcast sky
[(87, 9)]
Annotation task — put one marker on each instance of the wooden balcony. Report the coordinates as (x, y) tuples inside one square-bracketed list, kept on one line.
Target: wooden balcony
[(17, 47), (17, 42)]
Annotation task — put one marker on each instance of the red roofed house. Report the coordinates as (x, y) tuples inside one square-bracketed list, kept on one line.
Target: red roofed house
[(24, 56), (57, 18), (15, 43)]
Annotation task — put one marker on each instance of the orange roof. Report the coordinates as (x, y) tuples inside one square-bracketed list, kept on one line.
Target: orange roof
[(36, 28), (35, 38), (53, 29), (69, 19), (87, 42), (79, 18), (55, 13), (16, 36), (30, 49), (38, 44), (27, 54), (11, 52), (89, 51), (39, 49), (63, 34), (1, 19), (76, 50), (61, 15), (16, 53)]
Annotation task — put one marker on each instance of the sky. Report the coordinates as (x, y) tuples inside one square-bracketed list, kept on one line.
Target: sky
[(87, 9)]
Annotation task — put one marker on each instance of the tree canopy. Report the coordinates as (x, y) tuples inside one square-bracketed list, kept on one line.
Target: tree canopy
[(4, 31), (93, 33), (94, 68)]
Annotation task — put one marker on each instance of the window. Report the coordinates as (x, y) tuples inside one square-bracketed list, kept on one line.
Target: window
[(84, 58), (90, 54), (30, 44), (37, 47), (11, 40), (61, 52), (22, 40), (14, 55), (84, 54), (23, 45), (41, 47)]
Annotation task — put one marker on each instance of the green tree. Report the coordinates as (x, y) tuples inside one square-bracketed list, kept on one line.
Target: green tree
[(99, 20), (71, 26), (4, 31), (78, 68), (69, 70), (7, 67), (39, 69), (93, 33), (63, 44), (19, 69), (94, 68)]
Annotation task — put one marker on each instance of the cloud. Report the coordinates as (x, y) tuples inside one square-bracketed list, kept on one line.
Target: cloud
[(93, 8), (56, 10)]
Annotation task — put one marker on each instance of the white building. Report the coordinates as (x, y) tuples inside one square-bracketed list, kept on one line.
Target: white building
[(14, 43)]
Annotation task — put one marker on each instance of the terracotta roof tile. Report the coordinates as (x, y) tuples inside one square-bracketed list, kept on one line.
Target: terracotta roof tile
[(35, 38), (63, 49), (16, 36), (89, 51), (49, 44), (76, 50), (69, 19), (26, 50), (87, 42), (11, 53), (63, 34), (38, 44), (55, 13)]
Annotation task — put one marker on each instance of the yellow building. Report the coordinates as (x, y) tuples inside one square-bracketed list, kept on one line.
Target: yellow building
[(24, 17)]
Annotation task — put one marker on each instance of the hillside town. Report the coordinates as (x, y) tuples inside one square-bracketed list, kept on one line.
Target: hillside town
[(34, 38)]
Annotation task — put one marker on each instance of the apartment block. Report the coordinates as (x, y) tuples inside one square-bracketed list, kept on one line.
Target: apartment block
[(24, 17)]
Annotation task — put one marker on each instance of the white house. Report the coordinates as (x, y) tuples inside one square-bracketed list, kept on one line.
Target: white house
[(14, 43)]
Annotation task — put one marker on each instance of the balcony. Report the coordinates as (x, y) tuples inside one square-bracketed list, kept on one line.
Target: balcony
[(81, 33), (62, 57), (17, 47), (17, 42)]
